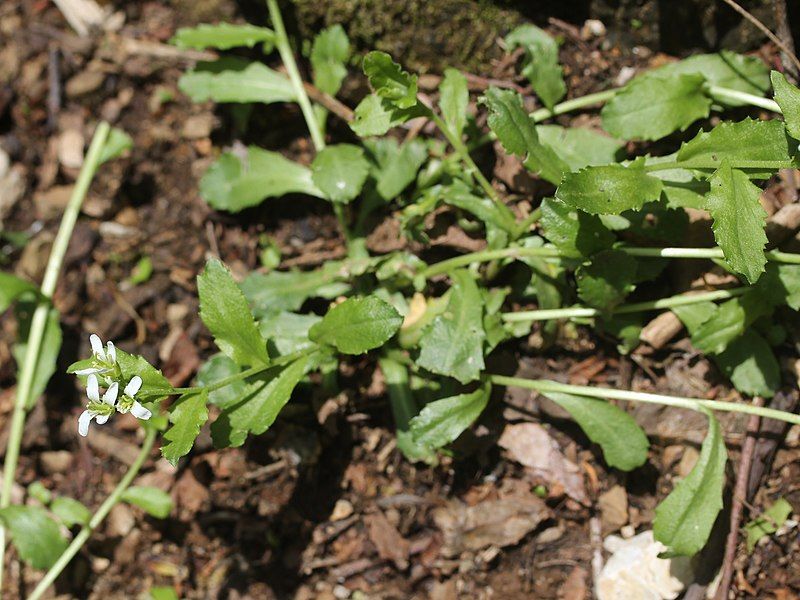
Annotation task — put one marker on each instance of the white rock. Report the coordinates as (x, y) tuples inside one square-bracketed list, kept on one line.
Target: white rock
[(635, 571)]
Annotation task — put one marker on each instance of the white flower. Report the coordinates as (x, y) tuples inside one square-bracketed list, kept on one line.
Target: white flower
[(128, 404), (103, 359), (97, 409)]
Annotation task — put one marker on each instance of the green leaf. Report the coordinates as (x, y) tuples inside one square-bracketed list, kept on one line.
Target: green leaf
[(726, 69), (580, 147), (117, 142), (607, 279), (39, 492), (623, 442), (287, 290), (453, 344), (404, 408), (223, 36), (340, 172), (36, 536), (162, 592), (684, 519), (153, 501), (694, 315), (329, 54), (540, 64), (357, 325), (751, 365), (767, 522), (154, 384), (740, 141), (517, 133), (442, 421), (375, 116), (48, 353), (233, 185), (389, 81), (788, 98), (398, 165), (459, 195), (266, 394), (235, 80), (609, 190), (187, 416), (12, 287), (574, 232), (653, 106), (224, 310), (739, 221), (287, 332), (70, 512), (453, 100)]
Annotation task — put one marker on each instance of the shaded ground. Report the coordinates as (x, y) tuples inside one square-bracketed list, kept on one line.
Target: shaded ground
[(323, 505)]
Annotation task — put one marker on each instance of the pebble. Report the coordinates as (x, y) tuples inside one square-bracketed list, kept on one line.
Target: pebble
[(84, 83), (70, 148), (56, 461)]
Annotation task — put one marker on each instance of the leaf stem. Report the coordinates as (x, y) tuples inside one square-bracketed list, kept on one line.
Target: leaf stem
[(287, 56), (576, 103), (727, 94), (97, 518), (634, 307), (546, 385), (39, 319)]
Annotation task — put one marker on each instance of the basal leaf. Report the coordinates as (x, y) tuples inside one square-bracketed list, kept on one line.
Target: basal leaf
[(224, 310), (389, 80), (50, 347), (751, 365), (187, 416), (234, 80), (516, 131), (376, 116), (684, 519), (540, 63), (654, 105), (453, 100), (623, 442), (223, 36), (12, 287), (287, 332), (788, 98), (233, 185), (726, 69), (357, 325), (739, 221), (607, 279), (740, 141), (580, 147), (36, 536), (453, 344), (575, 233), (340, 171), (399, 166), (694, 315), (329, 55), (155, 502), (70, 512), (767, 522), (609, 190), (442, 421)]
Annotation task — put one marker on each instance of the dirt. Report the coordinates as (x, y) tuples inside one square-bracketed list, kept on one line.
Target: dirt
[(323, 505)]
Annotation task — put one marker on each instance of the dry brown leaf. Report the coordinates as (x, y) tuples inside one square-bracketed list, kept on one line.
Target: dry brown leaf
[(390, 544)]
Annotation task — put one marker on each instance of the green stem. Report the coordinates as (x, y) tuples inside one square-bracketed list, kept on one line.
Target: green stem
[(660, 304), (710, 164), (287, 56), (576, 103), (546, 385), (96, 519), (726, 94), (39, 319)]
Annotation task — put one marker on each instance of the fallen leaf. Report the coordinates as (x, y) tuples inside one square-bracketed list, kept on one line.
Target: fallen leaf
[(390, 544)]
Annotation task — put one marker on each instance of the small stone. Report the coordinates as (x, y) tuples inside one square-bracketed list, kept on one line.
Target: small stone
[(593, 28), (613, 509), (52, 202), (70, 148), (624, 76), (341, 510), (120, 520), (198, 126), (56, 461), (84, 83), (688, 461)]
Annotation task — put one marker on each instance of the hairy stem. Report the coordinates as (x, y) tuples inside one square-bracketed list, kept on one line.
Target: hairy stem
[(39, 319), (287, 56), (97, 518), (546, 385)]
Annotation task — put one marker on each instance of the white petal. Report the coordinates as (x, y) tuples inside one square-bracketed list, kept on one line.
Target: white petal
[(83, 422), (101, 419), (97, 346), (110, 397), (93, 388), (134, 385), (112, 351), (140, 412), (89, 371)]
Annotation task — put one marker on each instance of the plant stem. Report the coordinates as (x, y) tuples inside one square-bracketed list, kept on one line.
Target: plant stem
[(287, 56), (97, 518), (546, 385), (39, 319), (576, 103), (661, 303)]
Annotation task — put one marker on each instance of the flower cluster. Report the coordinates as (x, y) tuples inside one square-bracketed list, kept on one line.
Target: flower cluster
[(100, 409)]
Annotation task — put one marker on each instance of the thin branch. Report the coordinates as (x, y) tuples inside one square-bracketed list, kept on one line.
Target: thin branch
[(785, 33), (342, 111), (765, 30)]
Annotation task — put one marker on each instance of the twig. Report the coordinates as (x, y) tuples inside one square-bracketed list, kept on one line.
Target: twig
[(765, 30), (739, 497), (53, 88), (785, 33), (342, 111)]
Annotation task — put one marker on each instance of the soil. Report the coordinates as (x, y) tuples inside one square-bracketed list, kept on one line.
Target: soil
[(323, 505)]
